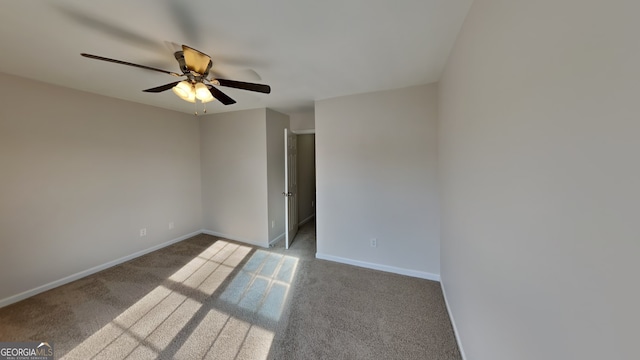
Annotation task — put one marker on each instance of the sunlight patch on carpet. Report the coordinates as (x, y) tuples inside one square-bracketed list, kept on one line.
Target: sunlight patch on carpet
[(147, 327), (263, 283)]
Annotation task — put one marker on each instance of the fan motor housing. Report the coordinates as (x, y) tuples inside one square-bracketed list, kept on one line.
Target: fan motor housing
[(179, 55)]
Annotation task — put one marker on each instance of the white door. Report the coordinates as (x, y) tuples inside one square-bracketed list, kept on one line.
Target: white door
[(290, 187)]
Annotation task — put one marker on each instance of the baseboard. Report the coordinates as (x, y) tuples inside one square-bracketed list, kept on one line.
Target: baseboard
[(386, 268), (278, 238), (29, 293), (235, 238), (453, 322), (306, 220)]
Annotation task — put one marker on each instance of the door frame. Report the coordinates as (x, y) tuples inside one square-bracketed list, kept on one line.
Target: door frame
[(287, 131)]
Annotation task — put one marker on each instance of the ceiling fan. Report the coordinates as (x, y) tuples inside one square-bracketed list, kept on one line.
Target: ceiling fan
[(196, 66)]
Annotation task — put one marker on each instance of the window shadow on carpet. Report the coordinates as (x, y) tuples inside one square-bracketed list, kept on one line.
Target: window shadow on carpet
[(223, 303)]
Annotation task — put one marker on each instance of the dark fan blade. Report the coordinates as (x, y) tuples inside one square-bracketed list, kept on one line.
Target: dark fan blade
[(245, 85), (162, 88), (128, 63), (222, 97)]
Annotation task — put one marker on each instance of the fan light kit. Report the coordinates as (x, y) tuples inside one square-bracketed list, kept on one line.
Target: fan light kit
[(195, 65), (190, 92)]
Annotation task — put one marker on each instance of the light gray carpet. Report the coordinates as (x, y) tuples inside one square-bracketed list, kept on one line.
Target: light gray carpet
[(213, 298)]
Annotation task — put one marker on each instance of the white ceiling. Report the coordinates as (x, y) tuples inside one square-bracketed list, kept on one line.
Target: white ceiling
[(306, 50)]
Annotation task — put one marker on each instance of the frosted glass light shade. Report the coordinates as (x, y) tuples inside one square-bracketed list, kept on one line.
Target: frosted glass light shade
[(182, 89), (202, 91), (208, 98), (192, 96), (185, 91)]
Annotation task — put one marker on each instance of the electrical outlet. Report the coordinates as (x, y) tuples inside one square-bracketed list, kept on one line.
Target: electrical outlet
[(171, 225), (374, 242), (273, 224), (143, 232)]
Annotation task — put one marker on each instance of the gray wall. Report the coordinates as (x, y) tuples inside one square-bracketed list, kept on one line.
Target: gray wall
[(303, 120), (81, 174), (306, 176), (276, 123), (376, 178), (234, 175), (540, 177)]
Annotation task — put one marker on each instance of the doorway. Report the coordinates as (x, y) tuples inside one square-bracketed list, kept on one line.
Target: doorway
[(301, 185)]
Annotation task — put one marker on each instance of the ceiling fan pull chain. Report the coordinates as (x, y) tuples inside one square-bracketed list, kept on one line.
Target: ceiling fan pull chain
[(195, 108)]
